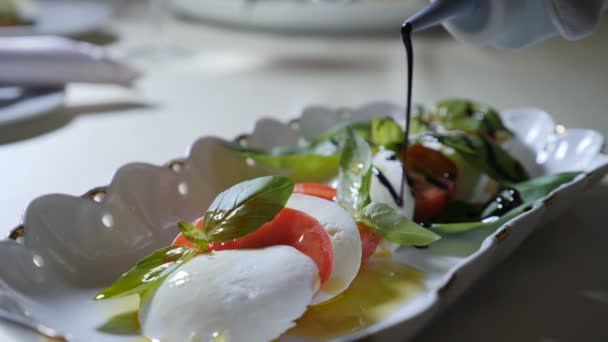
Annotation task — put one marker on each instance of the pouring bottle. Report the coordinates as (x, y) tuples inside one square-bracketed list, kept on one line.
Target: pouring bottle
[(511, 23)]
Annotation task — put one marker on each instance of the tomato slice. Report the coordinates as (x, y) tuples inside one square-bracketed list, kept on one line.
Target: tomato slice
[(431, 200), (290, 227), (433, 164), (369, 242), (316, 189), (434, 176)]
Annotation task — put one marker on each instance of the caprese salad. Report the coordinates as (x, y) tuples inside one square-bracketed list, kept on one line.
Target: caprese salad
[(269, 247)]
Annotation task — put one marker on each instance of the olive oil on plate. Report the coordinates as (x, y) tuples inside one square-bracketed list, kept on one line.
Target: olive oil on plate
[(381, 287)]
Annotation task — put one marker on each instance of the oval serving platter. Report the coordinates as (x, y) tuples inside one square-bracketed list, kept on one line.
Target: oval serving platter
[(68, 248)]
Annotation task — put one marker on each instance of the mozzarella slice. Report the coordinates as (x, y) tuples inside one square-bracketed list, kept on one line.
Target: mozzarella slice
[(345, 241), (240, 295), (391, 168)]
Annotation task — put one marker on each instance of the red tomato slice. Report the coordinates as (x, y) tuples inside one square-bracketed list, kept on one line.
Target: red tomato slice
[(434, 164), (431, 200), (290, 227), (316, 189), (369, 242)]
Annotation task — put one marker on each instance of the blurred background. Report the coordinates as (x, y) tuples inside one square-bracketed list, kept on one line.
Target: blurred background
[(180, 69)]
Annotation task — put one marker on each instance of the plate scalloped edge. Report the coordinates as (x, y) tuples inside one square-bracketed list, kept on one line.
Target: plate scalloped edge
[(109, 228)]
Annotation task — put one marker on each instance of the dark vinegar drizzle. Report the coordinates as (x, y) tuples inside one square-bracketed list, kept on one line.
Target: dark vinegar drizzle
[(508, 200), (406, 32), (387, 184), (406, 37)]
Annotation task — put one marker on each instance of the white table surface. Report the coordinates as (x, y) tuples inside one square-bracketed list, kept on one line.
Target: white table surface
[(554, 289)]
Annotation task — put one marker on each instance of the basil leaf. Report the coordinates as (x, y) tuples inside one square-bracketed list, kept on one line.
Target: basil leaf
[(379, 132), (387, 133), (530, 192), (316, 162), (363, 128), (320, 148), (301, 168), (389, 223), (482, 153), (148, 272), (472, 117), (194, 235), (245, 207), (490, 222), (355, 174), (418, 125), (537, 188)]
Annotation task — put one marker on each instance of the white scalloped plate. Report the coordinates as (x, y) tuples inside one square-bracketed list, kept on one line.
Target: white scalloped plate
[(74, 246)]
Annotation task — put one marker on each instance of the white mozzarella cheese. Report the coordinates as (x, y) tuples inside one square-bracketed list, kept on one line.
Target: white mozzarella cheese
[(393, 171), (345, 241), (241, 295), (391, 168)]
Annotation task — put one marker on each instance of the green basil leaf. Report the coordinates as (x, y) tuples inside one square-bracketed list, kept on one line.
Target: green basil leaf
[(490, 222), (245, 207), (355, 174), (148, 272), (316, 162), (482, 153), (363, 128), (530, 192), (194, 235), (537, 188), (389, 223), (471, 117), (320, 148), (301, 168), (387, 133), (418, 124)]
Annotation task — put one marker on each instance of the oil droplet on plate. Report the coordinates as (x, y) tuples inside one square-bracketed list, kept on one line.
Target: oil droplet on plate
[(219, 336), (378, 290), (250, 161), (38, 260), (108, 220), (182, 188)]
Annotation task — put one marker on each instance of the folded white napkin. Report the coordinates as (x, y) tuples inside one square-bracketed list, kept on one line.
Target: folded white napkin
[(56, 61)]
